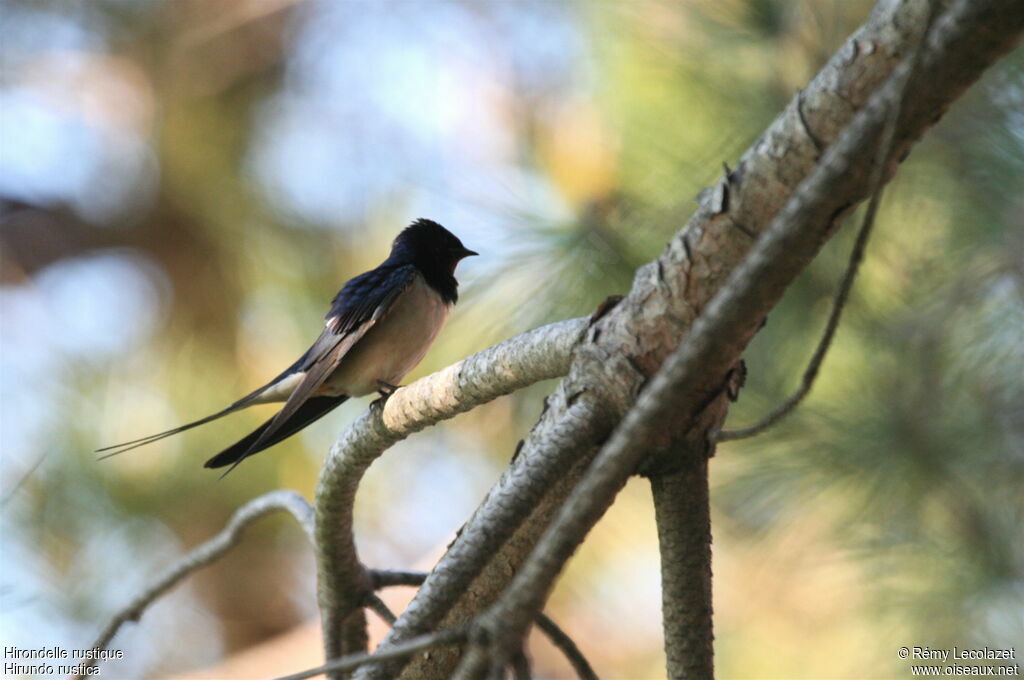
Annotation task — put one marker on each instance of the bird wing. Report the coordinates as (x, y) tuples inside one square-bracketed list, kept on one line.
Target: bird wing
[(312, 409), (357, 308), (359, 304)]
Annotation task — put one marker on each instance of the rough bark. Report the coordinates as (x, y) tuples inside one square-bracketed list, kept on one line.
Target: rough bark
[(682, 509), (625, 347), (343, 581)]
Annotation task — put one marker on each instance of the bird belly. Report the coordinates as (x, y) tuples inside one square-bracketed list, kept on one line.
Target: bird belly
[(395, 344)]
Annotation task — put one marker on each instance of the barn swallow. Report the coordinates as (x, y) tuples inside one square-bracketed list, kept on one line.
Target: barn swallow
[(379, 327)]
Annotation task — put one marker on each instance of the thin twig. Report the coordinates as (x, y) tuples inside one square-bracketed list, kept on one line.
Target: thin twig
[(22, 480), (377, 605), (565, 644), (288, 501), (347, 663), (842, 294), (386, 578)]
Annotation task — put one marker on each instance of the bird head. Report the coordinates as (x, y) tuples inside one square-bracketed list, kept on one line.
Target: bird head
[(429, 246)]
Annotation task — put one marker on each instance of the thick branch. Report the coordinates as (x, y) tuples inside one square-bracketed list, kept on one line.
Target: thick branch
[(558, 637), (715, 342), (638, 333), (288, 501), (528, 358), (682, 500), (352, 661), (682, 511), (523, 486), (877, 183), (630, 342)]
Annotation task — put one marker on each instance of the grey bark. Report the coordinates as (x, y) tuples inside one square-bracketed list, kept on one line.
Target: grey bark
[(683, 513), (714, 342), (627, 346), (343, 581)]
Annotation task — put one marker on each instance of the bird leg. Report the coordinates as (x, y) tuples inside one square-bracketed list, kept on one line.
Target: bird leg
[(385, 390)]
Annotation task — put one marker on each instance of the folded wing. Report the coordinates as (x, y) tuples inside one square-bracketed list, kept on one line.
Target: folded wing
[(357, 308)]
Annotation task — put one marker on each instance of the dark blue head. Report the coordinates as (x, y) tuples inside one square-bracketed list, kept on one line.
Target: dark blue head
[(434, 250)]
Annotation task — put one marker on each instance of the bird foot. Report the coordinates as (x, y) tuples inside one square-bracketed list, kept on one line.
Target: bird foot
[(386, 389)]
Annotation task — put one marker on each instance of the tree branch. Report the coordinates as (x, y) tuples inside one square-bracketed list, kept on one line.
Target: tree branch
[(626, 346), (842, 295), (386, 578), (381, 609), (521, 666), (525, 485), (565, 644), (682, 506), (832, 325), (681, 496), (718, 336), (558, 637), (352, 661), (199, 557), (342, 580)]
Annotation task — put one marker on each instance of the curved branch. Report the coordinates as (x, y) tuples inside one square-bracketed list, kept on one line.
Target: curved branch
[(199, 557), (842, 294), (537, 355), (631, 341), (839, 300), (351, 661), (558, 455), (561, 640), (720, 333), (558, 637)]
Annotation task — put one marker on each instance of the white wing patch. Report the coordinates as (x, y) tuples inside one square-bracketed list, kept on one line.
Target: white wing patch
[(281, 390)]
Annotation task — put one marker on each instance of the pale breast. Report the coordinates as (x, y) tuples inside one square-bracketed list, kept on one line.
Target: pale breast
[(395, 344)]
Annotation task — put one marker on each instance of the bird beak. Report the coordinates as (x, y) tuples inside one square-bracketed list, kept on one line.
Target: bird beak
[(466, 252)]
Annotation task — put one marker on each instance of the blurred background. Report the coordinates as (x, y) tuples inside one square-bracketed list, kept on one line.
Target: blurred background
[(185, 184)]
